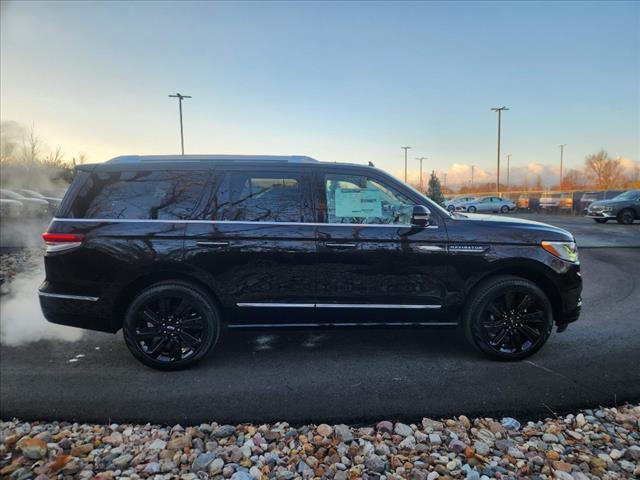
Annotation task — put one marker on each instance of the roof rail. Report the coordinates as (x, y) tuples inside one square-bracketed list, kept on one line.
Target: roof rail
[(211, 158)]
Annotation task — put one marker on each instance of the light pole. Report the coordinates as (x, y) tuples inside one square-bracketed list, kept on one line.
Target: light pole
[(508, 169), (405, 162), (561, 159), (499, 110), (473, 168), (420, 159), (180, 97)]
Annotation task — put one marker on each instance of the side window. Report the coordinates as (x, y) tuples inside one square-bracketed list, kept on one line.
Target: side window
[(260, 197), (140, 195), (359, 199)]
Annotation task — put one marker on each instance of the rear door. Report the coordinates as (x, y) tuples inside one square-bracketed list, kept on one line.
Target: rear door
[(370, 257), (254, 239)]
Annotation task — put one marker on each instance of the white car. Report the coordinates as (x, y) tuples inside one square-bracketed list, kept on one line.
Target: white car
[(451, 204), (10, 208), (487, 205)]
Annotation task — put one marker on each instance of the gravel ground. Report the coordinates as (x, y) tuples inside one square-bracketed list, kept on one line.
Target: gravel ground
[(592, 444)]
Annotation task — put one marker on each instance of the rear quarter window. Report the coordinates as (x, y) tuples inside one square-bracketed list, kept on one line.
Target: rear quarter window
[(139, 195)]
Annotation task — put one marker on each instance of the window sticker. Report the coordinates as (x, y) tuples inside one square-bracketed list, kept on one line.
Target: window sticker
[(358, 202)]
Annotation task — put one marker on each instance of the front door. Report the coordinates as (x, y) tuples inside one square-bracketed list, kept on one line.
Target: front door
[(370, 257), (257, 243)]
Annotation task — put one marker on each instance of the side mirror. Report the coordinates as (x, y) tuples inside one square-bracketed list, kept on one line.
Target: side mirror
[(421, 216)]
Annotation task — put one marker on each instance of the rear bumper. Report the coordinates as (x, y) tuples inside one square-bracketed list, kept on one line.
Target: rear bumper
[(74, 309)]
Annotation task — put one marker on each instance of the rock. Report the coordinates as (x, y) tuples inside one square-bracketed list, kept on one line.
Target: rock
[(202, 461), (565, 467), (241, 476), (457, 446), (81, 450), (385, 426), (466, 423), (375, 464), (324, 430), (433, 475), (408, 443), (122, 461), (633, 453), (114, 439), (510, 423), (255, 473), (343, 432), (615, 454), (224, 431), (549, 438), (152, 468), (481, 448), (432, 425), (216, 466), (560, 475), (179, 443), (580, 420), (402, 430), (33, 448), (435, 439)]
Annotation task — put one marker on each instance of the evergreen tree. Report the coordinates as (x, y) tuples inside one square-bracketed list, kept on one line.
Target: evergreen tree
[(434, 191)]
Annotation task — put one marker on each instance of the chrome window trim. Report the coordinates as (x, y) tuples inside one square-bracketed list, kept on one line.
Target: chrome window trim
[(69, 297), (336, 305), (240, 222)]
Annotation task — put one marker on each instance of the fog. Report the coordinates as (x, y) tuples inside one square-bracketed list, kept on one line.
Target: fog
[(21, 320)]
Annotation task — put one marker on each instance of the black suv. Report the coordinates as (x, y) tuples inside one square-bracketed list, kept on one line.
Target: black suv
[(174, 249)]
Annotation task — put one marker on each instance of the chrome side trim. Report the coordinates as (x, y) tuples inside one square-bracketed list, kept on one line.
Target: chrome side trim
[(313, 224), (340, 324), (277, 305), (430, 248), (69, 297), (336, 305)]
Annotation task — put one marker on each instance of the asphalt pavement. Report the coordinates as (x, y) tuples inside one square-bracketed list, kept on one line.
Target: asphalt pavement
[(353, 376)]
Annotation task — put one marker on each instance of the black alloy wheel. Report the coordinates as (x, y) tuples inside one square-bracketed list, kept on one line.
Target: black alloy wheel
[(626, 217), (504, 209), (171, 325), (471, 209), (508, 318)]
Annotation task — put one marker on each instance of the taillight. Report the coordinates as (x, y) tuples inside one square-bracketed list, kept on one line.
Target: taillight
[(58, 242)]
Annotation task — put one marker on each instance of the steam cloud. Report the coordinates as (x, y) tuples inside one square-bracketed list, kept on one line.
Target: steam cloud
[(21, 320)]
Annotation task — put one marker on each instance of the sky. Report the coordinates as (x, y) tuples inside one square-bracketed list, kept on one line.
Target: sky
[(338, 81)]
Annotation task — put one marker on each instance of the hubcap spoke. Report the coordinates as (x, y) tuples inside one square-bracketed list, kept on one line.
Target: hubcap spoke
[(529, 333), (494, 310), (146, 333), (193, 322), (526, 302), (532, 317), (151, 317), (156, 350), (499, 338), (190, 340)]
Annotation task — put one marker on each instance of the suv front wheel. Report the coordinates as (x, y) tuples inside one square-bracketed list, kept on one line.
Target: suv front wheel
[(508, 318), (171, 325), (626, 217)]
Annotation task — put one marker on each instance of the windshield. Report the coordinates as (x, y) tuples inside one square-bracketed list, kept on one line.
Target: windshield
[(630, 195), (11, 195)]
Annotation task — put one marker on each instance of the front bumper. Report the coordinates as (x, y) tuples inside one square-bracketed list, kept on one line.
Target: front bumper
[(601, 214)]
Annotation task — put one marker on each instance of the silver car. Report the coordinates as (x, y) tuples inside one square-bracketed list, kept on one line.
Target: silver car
[(487, 205), (452, 203)]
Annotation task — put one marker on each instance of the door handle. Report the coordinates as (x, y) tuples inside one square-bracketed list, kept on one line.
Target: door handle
[(339, 245), (212, 244)]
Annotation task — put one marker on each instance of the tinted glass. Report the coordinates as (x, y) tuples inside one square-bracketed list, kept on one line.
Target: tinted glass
[(359, 199), (259, 197), (141, 195)]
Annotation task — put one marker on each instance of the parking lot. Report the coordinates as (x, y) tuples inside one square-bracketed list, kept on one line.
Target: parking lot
[(352, 376)]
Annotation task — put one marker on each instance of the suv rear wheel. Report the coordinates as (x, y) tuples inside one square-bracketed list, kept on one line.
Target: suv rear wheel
[(508, 318), (626, 216), (171, 325)]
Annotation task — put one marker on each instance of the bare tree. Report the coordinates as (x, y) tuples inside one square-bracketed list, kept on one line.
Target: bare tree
[(605, 172), (31, 146)]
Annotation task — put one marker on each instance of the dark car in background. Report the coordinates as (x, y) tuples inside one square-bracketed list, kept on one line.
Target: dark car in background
[(32, 207), (181, 247), (625, 208)]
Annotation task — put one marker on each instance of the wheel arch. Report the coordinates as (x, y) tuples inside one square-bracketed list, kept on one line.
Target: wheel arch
[(142, 280), (531, 270)]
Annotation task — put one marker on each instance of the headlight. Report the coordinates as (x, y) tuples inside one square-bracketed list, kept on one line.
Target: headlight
[(565, 250)]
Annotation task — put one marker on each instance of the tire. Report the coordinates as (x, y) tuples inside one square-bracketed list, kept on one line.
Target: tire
[(600, 220), (504, 209), (451, 208), (520, 338), (472, 209), (626, 217), (171, 325)]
